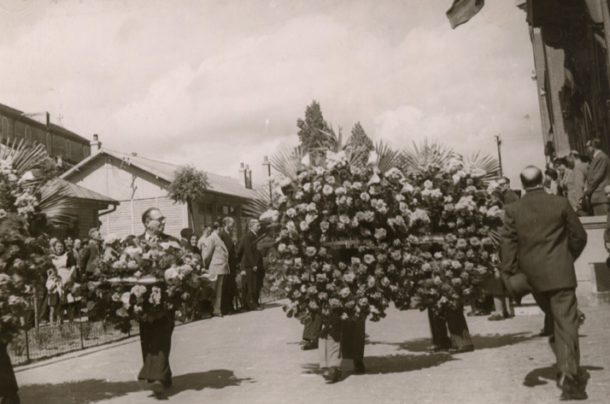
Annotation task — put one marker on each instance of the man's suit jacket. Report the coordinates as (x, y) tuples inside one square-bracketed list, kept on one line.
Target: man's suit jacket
[(248, 251), (160, 238), (90, 256), (228, 241), (542, 237), (575, 184), (598, 177), (216, 255)]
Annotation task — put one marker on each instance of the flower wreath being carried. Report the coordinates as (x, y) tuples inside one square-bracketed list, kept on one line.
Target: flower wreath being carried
[(137, 280), (361, 208), (459, 247)]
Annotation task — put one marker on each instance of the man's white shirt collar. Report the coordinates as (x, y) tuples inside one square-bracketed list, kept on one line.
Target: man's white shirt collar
[(596, 153)]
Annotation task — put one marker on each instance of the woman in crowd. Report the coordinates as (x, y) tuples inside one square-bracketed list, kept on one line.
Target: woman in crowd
[(65, 266), (193, 241)]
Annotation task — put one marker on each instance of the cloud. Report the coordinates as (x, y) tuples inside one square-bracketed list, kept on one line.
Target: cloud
[(216, 84)]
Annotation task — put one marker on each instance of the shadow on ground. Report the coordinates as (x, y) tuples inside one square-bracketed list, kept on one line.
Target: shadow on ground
[(542, 376), (479, 341), (94, 390), (376, 365)]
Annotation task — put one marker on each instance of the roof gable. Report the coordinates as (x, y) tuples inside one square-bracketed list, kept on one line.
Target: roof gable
[(165, 171)]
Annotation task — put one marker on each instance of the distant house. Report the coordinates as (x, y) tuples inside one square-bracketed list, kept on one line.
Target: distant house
[(90, 208), (60, 143), (139, 183)]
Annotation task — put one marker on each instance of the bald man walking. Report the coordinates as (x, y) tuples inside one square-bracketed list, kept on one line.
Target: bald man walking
[(542, 237)]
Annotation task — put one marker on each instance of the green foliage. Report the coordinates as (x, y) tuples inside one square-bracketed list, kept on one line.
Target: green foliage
[(359, 139), (189, 185), (311, 130)]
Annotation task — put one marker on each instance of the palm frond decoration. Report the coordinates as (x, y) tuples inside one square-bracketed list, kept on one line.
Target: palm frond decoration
[(27, 156), (426, 153), (258, 205), (387, 158), (488, 163), (60, 208), (288, 162)]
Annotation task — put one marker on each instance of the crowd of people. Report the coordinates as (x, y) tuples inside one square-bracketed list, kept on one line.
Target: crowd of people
[(541, 238), (581, 178)]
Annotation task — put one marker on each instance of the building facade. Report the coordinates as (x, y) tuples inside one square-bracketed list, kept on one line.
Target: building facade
[(60, 143), (570, 42), (139, 183)]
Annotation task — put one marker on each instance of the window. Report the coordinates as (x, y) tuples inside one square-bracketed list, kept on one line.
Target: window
[(86, 151), (68, 149), (28, 133)]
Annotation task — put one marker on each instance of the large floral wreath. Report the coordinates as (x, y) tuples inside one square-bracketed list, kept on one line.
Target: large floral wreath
[(144, 281), (22, 257), (342, 245), (355, 237), (458, 250)]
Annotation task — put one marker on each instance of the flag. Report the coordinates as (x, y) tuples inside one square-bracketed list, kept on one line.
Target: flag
[(463, 10)]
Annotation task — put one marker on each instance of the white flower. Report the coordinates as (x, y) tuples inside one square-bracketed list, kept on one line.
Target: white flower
[(428, 184), (372, 158), (456, 178), (327, 190), (271, 214), (111, 239), (125, 299), (305, 160), (406, 188), (171, 274)]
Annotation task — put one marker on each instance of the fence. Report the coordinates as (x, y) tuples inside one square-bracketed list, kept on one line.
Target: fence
[(54, 339)]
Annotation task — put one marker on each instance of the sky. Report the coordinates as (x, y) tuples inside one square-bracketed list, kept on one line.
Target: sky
[(219, 82)]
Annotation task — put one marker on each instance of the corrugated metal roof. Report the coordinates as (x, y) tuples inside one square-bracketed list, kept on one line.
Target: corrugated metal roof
[(79, 192), (165, 171)]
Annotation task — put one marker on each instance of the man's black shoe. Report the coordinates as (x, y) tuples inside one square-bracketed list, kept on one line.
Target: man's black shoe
[(359, 367), (157, 387), (435, 348), (464, 349), (309, 346), (332, 375)]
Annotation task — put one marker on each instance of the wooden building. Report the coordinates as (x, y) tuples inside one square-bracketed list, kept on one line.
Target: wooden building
[(65, 146), (90, 208), (139, 183)]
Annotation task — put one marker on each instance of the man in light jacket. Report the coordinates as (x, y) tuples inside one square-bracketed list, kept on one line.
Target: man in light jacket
[(217, 262)]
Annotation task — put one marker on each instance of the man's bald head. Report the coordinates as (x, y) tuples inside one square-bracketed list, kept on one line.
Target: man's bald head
[(531, 177)]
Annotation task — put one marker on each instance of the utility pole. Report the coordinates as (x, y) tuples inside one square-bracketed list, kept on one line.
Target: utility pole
[(499, 142)]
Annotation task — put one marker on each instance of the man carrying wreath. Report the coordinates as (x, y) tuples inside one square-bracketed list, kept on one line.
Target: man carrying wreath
[(156, 336)]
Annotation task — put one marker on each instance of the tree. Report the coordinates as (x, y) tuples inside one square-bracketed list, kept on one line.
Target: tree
[(359, 138), (311, 130), (189, 185)]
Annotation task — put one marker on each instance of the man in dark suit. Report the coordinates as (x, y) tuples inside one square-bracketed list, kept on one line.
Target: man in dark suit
[(228, 290), (92, 252), (598, 176), (251, 264), (541, 238), (156, 336)]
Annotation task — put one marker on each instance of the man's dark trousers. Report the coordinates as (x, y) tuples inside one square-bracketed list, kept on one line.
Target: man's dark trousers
[(455, 322), (312, 329), (561, 305), (8, 383), (156, 343), (250, 289)]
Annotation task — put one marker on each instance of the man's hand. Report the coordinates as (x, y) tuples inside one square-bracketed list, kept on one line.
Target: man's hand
[(242, 273), (255, 269)]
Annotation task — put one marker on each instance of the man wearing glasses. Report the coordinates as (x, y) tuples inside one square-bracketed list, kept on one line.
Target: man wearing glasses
[(156, 336)]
